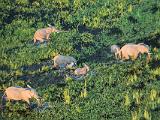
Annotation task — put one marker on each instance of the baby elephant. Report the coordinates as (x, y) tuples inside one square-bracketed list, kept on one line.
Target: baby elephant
[(114, 50), (133, 50), (19, 93), (64, 61), (82, 71), (44, 33)]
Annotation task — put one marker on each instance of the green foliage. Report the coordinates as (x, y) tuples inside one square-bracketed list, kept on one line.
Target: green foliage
[(112, 90)]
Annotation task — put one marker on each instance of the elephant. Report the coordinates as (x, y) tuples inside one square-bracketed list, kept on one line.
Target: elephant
[(43, 34), (64, 61), (133, 51), (114, 50), (82, 71), (19, 93)]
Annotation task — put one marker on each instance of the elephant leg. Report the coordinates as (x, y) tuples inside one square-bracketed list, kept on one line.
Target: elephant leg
[(148, 58), (55, 65), (40, 39), (27, 100), (47, 37), (35, 40), (116, 56), (125, 57), (134, 57)]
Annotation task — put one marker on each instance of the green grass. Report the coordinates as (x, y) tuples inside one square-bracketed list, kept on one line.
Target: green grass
[(113, 89)]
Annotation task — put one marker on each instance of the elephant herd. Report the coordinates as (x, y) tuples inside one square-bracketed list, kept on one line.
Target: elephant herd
[(128, 51), (19, 93)]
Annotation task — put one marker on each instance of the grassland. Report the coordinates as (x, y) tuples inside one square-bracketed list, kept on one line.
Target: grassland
[(113, 90)]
